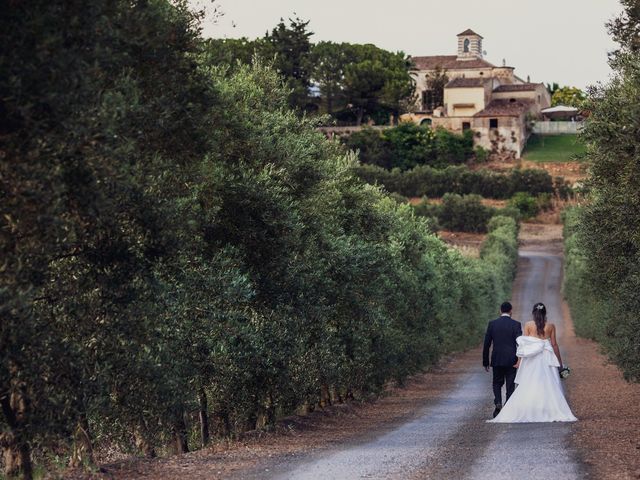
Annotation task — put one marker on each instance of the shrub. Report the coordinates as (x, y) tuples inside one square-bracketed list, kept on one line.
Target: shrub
[(259, 276), (481, 155), (463, 213), (371, 146), (424, 180), (409, 145), (526, 204), (544, 201)]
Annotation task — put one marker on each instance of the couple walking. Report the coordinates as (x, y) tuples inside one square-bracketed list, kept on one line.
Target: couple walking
[(532, 361)]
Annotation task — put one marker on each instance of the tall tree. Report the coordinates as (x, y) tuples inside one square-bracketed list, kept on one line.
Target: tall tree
[(610, 226), (571, 96), (377, 80), (436, 82), (291, 47), (231, 51), (329, 62)]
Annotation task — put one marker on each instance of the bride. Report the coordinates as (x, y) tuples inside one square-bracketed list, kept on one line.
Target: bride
[(538, 396)]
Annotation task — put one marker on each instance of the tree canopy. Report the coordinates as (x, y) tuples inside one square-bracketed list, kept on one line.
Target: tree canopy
[(354, 81), (178, 243), (603, 244)]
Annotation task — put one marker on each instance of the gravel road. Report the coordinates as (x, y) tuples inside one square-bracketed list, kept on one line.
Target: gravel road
[(450, 439)]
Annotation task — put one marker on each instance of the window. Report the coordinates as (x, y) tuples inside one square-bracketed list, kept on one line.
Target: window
[(466, 126), (427, 100), (493, 123), (432, 99), (466, 45)]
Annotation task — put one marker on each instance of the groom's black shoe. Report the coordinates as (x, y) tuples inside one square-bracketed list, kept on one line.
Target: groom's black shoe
[(497, 411)]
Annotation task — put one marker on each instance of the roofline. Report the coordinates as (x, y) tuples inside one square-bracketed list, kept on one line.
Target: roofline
[(463, 34), (462, 68)]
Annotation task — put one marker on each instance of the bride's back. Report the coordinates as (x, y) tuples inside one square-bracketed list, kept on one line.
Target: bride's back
[(531, 330)]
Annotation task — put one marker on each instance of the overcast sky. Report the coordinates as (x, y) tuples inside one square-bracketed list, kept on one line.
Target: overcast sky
[(551, 40)]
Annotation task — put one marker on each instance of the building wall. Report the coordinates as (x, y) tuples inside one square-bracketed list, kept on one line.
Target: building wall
[(475, 47), (509, 138), (474, 95), (504, 74), (420, 76), (453, 124), (540, 96)]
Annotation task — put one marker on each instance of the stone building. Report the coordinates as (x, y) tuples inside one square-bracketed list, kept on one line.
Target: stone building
[(490, 100)]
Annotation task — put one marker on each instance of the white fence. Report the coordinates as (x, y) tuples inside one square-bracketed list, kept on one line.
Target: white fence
[(557, 128)]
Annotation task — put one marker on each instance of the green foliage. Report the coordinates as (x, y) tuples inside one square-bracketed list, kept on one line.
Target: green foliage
[(291, 47), (570, 96), (232, 52), (481, 154), (463, 213), (409, 145), (355, 81), (589, 315), (425, 181), (375, 78), (602, 240), (436, 81), (171, 231), (526, 204)]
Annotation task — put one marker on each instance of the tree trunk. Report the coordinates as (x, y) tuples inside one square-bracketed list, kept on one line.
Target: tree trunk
[(222, 422), (82, 452), (142, 442), (335, 395), (180, 435), (360, 115), (204, 417), (325, 396), (15, 450)]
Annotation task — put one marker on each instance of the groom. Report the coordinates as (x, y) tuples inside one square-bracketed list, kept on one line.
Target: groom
[(502, 333)]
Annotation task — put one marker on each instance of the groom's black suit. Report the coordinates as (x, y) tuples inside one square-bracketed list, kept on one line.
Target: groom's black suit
[(502, 333)]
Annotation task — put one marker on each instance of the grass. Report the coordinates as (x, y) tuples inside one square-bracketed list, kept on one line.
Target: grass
[(553, 148)]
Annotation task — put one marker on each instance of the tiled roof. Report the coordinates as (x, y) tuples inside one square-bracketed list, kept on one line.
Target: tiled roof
[(504, 108), (468, 31), (516, 87), (466, 82), (448, 62)]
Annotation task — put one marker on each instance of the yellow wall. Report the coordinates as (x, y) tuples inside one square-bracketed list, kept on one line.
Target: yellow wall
[(475, 96)]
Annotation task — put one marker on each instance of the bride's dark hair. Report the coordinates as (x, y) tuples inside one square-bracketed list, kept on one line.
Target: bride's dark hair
[(540, 317)]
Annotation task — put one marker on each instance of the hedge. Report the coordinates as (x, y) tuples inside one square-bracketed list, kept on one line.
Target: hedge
[(425, 181), (463, 213)]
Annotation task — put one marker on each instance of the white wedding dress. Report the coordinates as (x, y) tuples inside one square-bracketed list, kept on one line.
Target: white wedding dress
[(538, 396)]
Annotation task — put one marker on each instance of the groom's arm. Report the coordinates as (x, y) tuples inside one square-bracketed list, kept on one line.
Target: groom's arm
[(518, 329), (488, 339)]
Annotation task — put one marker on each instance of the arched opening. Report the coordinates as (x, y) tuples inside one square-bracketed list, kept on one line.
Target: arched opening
[(426, 122), (466, 45)]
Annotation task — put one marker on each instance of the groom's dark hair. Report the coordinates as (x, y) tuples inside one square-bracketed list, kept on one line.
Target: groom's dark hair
[(506, 307)]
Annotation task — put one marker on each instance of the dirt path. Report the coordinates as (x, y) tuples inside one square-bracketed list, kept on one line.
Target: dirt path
[(434, 427), (449, 438)]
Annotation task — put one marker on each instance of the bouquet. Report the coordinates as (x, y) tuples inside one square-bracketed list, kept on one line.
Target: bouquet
[(564, 372)]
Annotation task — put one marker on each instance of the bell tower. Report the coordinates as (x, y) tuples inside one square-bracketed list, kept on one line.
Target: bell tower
[(469, 45)]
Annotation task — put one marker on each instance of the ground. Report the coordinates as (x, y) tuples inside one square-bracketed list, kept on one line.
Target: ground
[(433, 427), (553, 148)]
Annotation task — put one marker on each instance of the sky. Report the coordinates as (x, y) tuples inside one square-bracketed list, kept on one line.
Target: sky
[(562, 41)]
